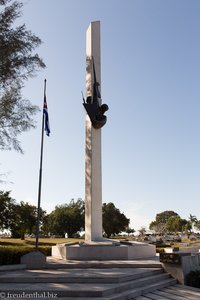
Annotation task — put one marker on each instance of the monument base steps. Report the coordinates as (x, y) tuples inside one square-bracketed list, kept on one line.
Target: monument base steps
[(114, 280), (112, 283)]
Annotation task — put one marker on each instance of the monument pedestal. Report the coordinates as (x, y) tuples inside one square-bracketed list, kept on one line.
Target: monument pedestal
[(103, 251)]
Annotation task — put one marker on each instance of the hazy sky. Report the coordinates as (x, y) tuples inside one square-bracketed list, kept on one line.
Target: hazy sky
[(150, 53)]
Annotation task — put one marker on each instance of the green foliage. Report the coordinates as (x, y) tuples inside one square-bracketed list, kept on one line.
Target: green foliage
[(24, 220), (113, 220), (174, 224), (17, 64), (193, 279), (197, 225), (192, 219), (172, 258), (129, 230), (66, 218), (164, 216), (160, 250), (185, 225), (169, 222), (175, 249), (142, 231), (7, 210), (12, 254), (159, 225), (18, 218)]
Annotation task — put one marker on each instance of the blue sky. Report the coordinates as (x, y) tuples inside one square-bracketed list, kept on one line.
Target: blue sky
[(150, 53)]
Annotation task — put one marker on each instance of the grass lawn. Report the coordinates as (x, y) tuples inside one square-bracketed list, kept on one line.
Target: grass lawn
[(11, 250), (31, 241)]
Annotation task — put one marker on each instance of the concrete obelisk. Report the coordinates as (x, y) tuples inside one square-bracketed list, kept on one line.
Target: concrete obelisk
[(95, 246), (93, 176)]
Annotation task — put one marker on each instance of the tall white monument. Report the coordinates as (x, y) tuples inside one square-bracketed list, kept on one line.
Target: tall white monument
[(93, 176), (95, 246)]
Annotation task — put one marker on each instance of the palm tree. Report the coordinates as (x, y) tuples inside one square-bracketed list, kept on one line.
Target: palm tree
[(192, 220)]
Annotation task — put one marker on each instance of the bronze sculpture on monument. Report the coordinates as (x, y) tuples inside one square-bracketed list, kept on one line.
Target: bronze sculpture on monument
[(92, 105)]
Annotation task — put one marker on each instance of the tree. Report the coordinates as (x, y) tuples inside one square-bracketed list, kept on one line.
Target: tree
[(174, 224), (66, 218), (186, 226), (17, 218), (17, 64), (159, 225), (192, 220), (197, 225), (24, 220), (164, 216), (129, 230), (7, 210), (113, 220), (142, 231)]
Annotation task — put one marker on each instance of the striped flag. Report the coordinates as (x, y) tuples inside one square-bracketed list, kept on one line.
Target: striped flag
[(46, 117)]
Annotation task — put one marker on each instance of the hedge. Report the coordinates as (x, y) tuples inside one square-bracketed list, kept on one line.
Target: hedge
[(193, 279), (11, 254)]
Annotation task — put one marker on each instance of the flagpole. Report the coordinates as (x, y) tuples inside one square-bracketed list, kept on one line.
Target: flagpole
[(40, 175)]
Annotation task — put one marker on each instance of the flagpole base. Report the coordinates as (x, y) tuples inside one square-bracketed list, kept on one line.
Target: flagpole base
[(34, 260)]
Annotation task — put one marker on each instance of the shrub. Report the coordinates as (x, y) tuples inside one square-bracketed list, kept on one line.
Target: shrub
[(160, 250), (12, 254), (175, 249), (163, 245), (193, 279)]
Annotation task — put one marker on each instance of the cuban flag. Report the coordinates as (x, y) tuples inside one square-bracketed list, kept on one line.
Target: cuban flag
[(46, 117)]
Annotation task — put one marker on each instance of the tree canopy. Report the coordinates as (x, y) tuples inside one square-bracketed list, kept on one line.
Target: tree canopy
[(197, 225), (7, 210), (170, 221), (19, 219), (66, 218), (24, 219), (113, 220), (17, 64), (159, 225), (174, 224)]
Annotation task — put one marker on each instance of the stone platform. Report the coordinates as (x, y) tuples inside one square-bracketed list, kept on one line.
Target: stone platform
[(103, 251)]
